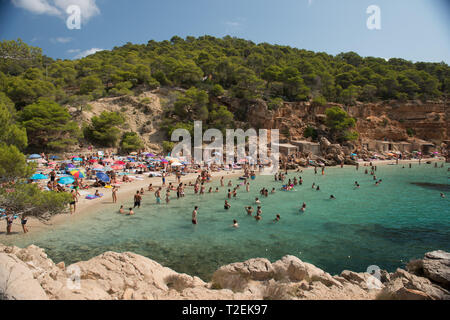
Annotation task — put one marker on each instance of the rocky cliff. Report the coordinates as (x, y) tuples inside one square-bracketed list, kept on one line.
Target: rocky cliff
[(30, 274), (376, 121)]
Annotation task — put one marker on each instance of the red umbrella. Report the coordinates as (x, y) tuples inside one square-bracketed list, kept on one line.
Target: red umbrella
[(93, 161), (121, 163)]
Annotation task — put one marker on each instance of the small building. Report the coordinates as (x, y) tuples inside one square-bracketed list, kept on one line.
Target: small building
[(423, 146), (308, 147), (286, 148), (403, 146)]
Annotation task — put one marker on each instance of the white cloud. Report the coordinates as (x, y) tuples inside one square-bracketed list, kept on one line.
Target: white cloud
[(58, 7), (37, 6), (61, 40), (87, 53), (233, 24), (73, 51)]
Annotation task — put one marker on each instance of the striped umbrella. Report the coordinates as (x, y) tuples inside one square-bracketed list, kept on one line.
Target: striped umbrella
[(78, 173)]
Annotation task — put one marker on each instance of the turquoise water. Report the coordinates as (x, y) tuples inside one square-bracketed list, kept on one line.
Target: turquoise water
[(385, 226)]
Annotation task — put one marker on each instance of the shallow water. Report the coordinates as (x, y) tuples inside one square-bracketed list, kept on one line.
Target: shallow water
[(385, 225)]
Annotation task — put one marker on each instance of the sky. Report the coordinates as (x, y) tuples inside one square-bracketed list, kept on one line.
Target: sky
[(416, 30)]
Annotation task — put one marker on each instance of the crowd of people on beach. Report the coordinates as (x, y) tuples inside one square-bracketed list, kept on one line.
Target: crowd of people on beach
[(80, 174)]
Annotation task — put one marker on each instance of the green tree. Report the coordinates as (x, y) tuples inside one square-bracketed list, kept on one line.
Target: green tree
[(339, 123), (104, 129), (90, 84), (10, 132), (29, 200), (13, 164), (131, 142), (49, 126)]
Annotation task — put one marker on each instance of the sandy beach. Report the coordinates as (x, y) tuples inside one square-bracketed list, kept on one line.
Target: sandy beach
[(126, 192), (124, 195)]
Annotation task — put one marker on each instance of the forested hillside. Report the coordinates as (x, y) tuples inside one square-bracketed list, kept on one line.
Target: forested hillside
[(38, 87)]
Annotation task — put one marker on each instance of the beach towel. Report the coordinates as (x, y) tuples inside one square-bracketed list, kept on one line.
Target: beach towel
[(92, 197)]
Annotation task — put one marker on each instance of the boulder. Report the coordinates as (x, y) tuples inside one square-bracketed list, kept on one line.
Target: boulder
[(436, 267), (293, 269), (235, 276), (15, 275)]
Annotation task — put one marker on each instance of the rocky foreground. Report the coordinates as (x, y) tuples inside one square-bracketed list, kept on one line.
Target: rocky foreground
[(28, 274)]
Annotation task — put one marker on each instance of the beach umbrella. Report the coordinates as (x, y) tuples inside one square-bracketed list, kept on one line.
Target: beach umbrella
[(66, 180), (78, 173), (103, 177), (108, 160), (34, 156), (120, 163), (93, 161), (54, 157), (117, 167), (164, 161), (150, 155), (70, 166), (107, 168), (98, 166), (39, 176), (176, 164)]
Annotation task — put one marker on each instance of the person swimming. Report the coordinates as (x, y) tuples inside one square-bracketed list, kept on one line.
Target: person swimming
[(235, 224), (442, 195), (121, 210), (131, 212), (277, 218), (227, 206), (303, 209), (332, 197), (257, 201), (249, 210)]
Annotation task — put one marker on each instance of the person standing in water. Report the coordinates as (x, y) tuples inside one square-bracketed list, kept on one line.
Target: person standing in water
[(158, 195), (73, 203), (23, 222), (114, 194), (137, 199), (194, 216), (235, 224)]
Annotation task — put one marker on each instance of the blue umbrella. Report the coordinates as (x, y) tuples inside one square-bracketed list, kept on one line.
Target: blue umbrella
[(39, 176), (34, 156), (70, 165), (99, 169), (103, 177), (66, 180), (54, 157), (77, 159)]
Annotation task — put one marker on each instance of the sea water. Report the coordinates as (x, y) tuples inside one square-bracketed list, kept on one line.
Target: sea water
[(385, 225)]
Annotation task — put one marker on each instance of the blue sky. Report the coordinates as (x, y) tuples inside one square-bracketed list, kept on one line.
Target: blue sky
[(417, 30)]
